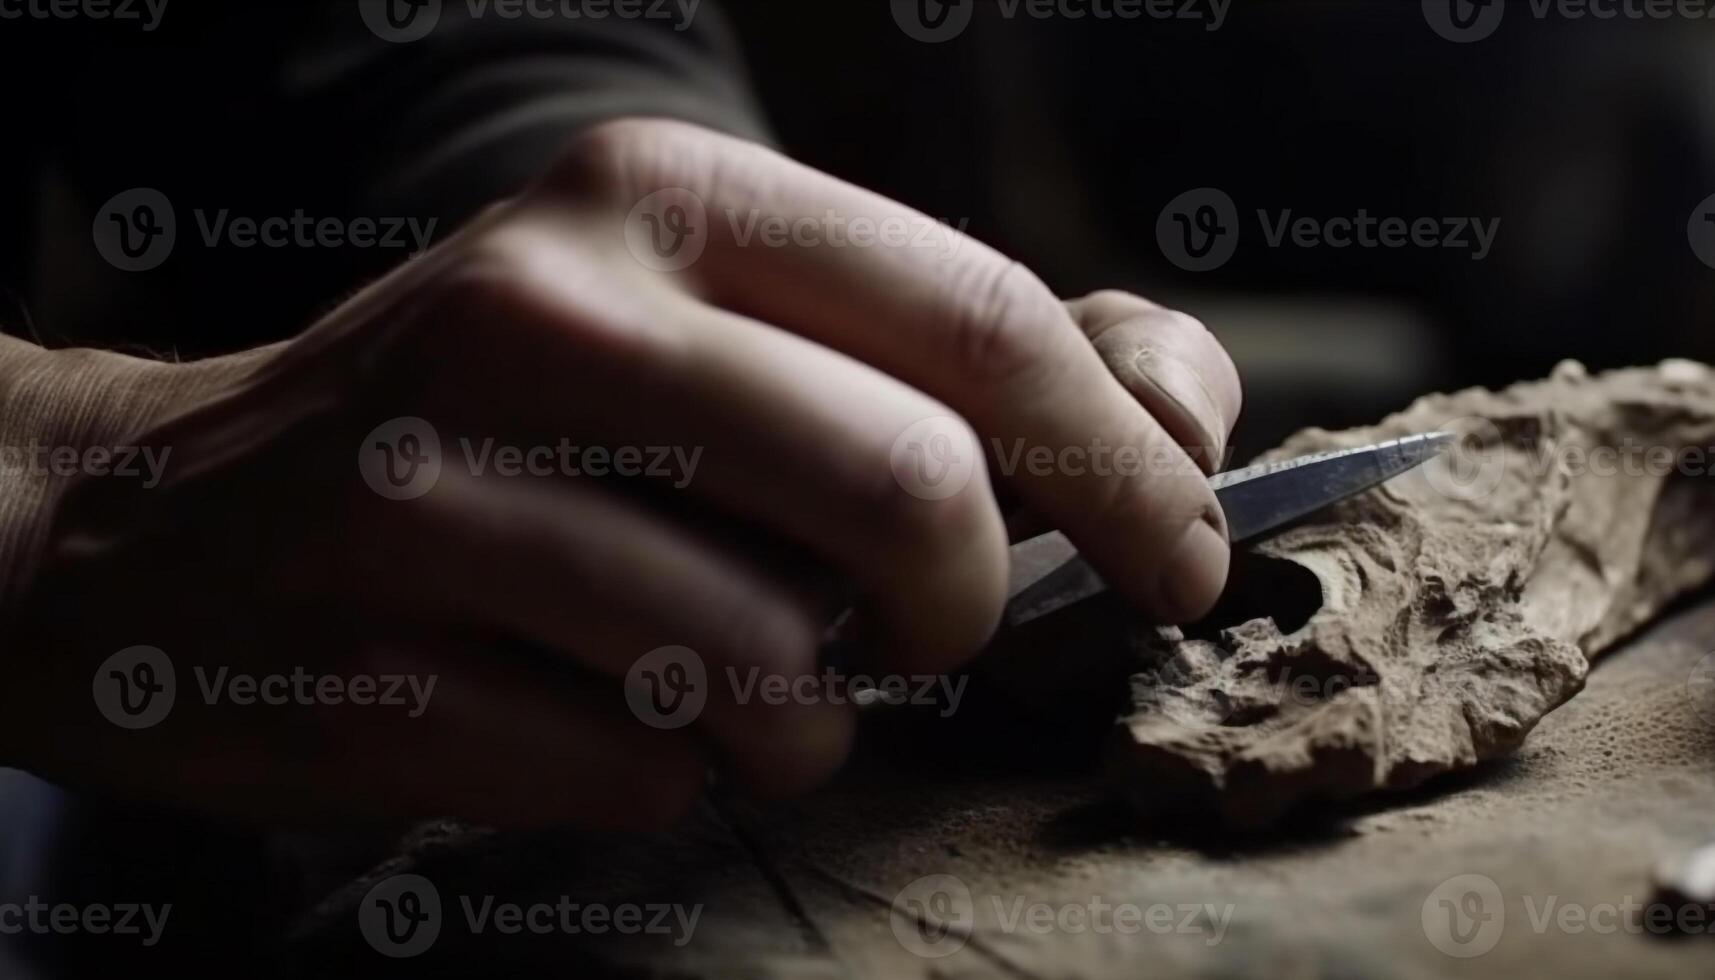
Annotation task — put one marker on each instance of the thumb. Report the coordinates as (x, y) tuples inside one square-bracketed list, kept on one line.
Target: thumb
[(1171, 364)]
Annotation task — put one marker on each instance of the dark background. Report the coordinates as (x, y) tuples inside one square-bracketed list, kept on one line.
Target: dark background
[(1062, 140)]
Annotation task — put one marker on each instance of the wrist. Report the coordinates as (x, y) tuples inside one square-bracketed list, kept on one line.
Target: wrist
[(80, 398), (62, 415)]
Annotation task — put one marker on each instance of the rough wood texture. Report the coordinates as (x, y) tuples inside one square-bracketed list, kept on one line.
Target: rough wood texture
[(1618, 778), (1458, 605)]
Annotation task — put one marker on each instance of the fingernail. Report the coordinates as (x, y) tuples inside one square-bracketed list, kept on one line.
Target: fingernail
[(1196, 574), (1180, 386)]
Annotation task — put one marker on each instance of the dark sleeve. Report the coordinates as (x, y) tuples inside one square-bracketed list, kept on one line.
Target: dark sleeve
[(325, 107), (472, 109)]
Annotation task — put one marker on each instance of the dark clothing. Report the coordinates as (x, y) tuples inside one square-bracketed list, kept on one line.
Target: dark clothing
[(241, 110)]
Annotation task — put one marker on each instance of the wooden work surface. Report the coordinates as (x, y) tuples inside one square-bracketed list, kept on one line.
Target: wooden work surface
[(1620, 776)]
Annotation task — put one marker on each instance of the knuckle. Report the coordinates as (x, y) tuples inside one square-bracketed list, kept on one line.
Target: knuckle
[(610, 161), (596, 161), (542, 298), (1114, 297), (613, 137), (1186, 325), (519, 273), (495, 271), (1112, 305), (909, 509), (1219, 372), (1007, 323), (487, 287)]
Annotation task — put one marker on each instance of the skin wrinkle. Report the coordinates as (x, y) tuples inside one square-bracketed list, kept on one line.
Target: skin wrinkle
[(1146, 363), (78, 398), (819, 359), (1136, 337)]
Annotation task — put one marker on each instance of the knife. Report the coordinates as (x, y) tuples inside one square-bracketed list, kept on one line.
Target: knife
[(1048, 574)]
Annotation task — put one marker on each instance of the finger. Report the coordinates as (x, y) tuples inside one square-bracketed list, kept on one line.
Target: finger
[(504, 744), (1171, 364), (965, 325), (397, 721), (581, 572), (788, 434)]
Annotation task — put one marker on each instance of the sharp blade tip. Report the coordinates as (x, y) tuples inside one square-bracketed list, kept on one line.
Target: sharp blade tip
[(1436, 443), (1421, 449)]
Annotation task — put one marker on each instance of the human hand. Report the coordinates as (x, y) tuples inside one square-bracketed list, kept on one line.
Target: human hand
[(795, 375)]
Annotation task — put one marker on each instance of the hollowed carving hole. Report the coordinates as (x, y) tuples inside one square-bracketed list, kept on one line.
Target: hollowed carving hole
[(1260, 587)]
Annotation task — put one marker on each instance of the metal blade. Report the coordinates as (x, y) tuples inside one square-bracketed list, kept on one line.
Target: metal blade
[(1268, 496), (1049, 575)]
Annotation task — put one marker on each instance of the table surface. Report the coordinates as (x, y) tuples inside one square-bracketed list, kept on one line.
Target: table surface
[(1063, 882)]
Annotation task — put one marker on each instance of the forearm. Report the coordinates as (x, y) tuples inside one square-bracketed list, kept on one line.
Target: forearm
[(56, 406)]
